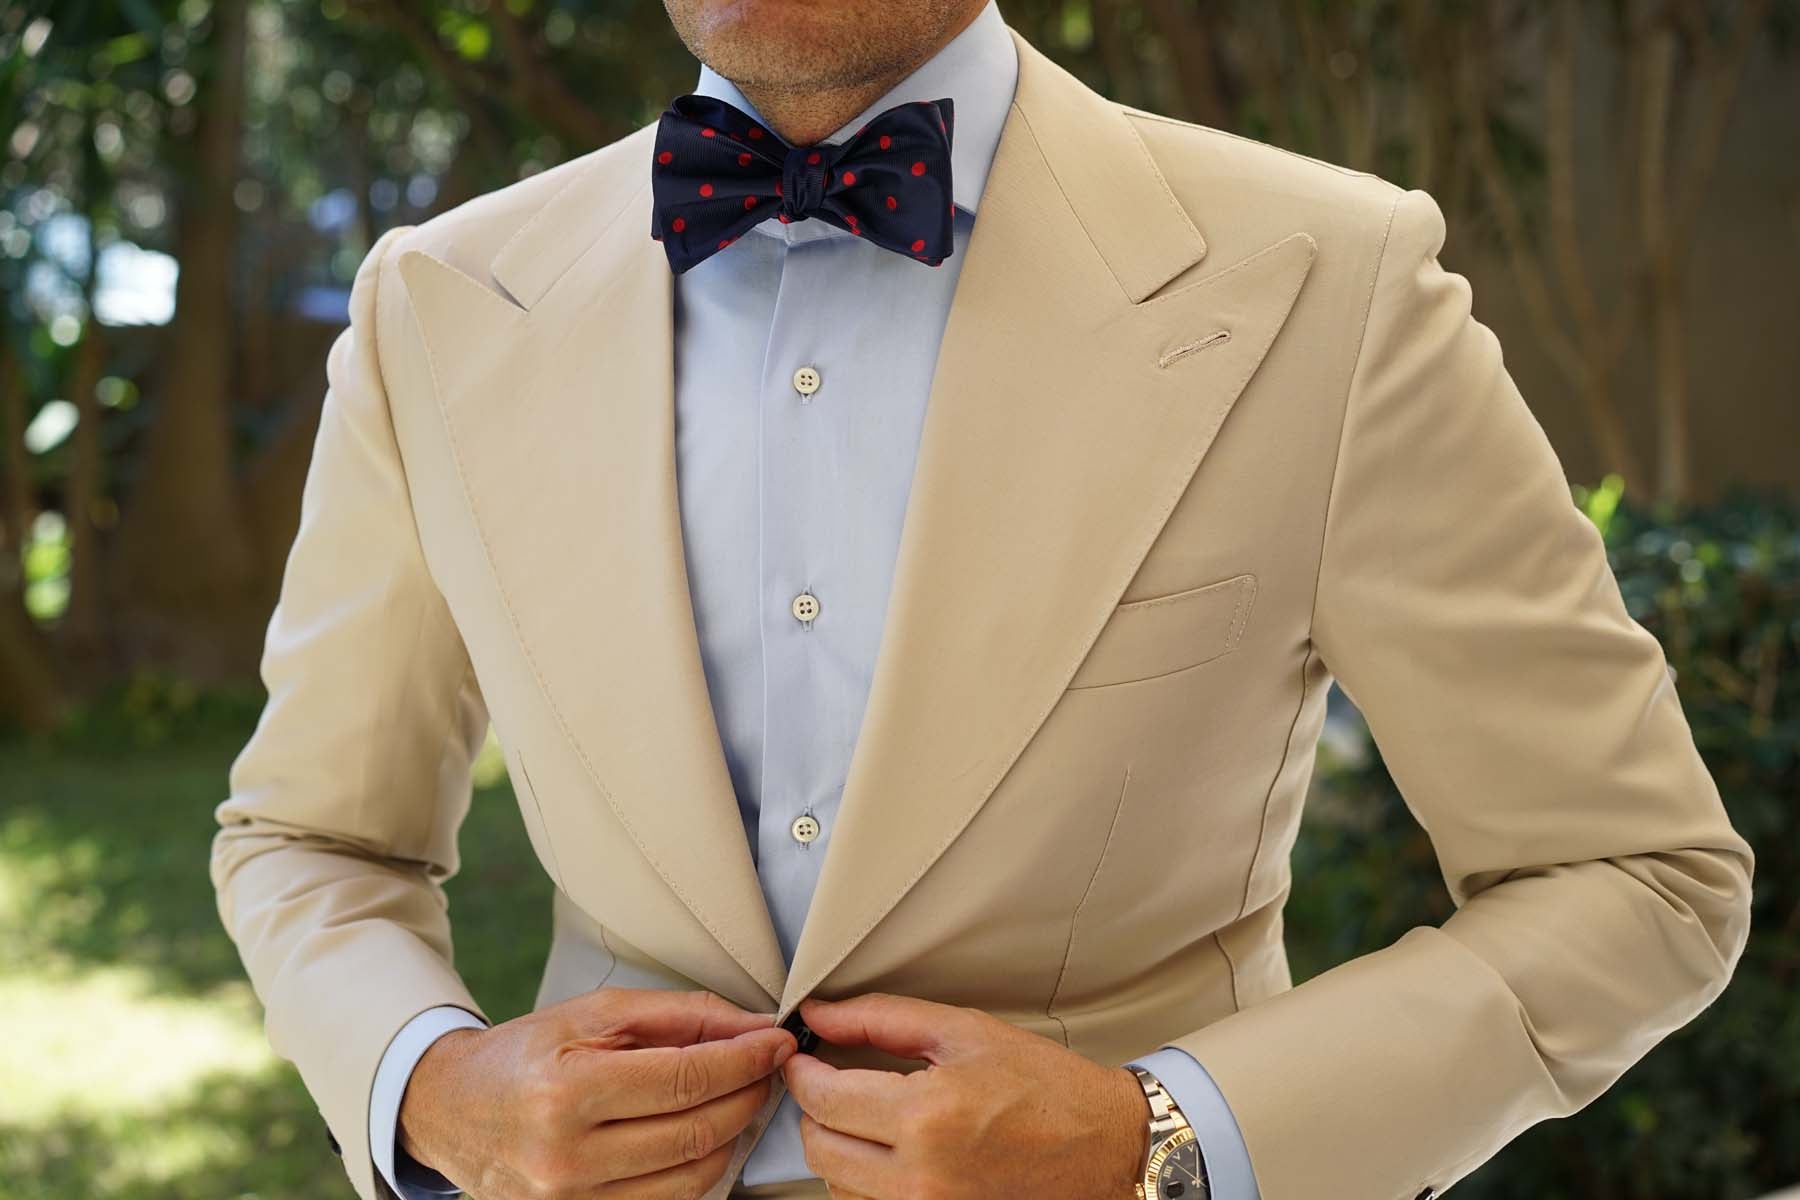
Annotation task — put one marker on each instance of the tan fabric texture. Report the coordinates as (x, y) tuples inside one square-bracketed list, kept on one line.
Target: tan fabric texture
[(1210, 427)]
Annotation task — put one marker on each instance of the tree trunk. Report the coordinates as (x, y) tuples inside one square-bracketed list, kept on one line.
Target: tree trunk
[(20, 507), (185, 563), (83, 631), (29, 696), (28, 689), (1189, 36), (1662, 257)]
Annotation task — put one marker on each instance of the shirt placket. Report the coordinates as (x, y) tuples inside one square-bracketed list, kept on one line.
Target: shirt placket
[(795, 577)]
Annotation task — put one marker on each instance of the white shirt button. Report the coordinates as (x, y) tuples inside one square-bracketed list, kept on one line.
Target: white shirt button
[(805, 607), (805, 828), (806, 380)]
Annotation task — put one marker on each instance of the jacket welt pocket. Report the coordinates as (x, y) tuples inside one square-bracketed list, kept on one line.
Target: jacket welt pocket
[(1163, 634)]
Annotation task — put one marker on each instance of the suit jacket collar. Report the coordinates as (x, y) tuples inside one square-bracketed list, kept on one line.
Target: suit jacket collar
[(1057, 439)]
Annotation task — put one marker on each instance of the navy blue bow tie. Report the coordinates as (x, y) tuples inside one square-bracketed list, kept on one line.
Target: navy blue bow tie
[(718, 172)]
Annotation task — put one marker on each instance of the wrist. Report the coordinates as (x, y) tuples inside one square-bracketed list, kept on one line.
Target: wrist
[(1132, 1121), (432, 1078)]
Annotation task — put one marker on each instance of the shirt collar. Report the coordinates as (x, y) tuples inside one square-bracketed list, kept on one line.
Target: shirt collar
[(978, 69)]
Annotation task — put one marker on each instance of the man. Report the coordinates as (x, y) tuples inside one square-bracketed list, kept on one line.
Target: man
[(902, 513)]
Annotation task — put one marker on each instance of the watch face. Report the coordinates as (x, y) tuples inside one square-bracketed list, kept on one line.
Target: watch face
[(1177, 1168)]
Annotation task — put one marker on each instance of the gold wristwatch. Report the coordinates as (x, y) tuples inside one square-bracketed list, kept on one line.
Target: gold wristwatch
[(1173, 1168)]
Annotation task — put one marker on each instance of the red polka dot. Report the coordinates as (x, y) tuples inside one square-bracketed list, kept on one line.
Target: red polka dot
[(785, 219), (892, 203), (724, 243), (755, 134), (918, 245), (886, 141), (679, 224), (859, 132), (744, 159), (706, 189), (812, 158), (849, 178), (664, 157), (778, 187), (918, 168), (709, 131), (749, 201)]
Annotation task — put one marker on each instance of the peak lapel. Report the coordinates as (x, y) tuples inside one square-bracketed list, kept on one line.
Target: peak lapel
[(1061, 429), (560, 407)]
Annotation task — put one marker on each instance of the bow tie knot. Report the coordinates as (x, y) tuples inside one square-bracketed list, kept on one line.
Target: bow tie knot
[(717, 173), (802, 182)]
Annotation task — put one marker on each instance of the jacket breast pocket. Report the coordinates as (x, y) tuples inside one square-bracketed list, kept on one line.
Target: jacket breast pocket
[(1164, 634)]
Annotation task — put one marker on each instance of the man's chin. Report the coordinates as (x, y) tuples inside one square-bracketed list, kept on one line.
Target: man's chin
[(765, 40)]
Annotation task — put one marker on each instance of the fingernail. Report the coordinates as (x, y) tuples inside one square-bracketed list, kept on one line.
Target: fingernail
[(783, 1052)]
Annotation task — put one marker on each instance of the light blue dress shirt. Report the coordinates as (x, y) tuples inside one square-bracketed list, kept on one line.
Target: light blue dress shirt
[(786, 491)]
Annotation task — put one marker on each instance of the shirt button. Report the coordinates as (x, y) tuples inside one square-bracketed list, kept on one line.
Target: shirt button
[(805, 828), (806, 607), (806, 380)]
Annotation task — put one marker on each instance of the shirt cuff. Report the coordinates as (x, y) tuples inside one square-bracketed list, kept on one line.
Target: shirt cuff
[(1228, 1172), (410, 1179)]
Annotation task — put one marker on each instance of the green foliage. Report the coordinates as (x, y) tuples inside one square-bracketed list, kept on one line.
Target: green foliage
[(149, 708), (1713, 1111)]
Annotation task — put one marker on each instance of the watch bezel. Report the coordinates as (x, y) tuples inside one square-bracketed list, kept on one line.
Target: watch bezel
[(1153, 1168)]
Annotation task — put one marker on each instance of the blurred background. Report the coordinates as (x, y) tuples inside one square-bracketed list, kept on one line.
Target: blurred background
[(186, 187)]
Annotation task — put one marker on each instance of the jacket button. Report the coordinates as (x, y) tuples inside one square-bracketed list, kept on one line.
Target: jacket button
[(802, 1032)]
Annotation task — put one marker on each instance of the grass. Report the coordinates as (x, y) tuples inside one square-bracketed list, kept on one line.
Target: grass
[(133, 1062)]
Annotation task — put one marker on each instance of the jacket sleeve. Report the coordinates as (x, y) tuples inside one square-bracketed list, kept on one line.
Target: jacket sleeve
[(340, 826), (1467, 608)]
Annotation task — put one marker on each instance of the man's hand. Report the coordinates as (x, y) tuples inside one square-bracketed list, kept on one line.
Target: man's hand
[(998, 1112), (637, 1092)]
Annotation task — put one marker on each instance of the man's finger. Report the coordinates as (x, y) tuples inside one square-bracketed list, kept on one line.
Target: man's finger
[(678, 1182), (665, 1079), (849, 1165), (862, 1103), (904, 1026), (644, 1145), (663, 1016)]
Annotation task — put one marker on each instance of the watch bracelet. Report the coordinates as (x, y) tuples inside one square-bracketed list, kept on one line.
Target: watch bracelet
[(1165, 1118)]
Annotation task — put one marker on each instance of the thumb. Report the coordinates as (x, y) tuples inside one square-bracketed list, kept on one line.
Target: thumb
[(904, 1026), (665, 1016)]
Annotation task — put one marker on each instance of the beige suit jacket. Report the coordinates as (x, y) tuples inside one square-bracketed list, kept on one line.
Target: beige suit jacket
[(1210, 426)]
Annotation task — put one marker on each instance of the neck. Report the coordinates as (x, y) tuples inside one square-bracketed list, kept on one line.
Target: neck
[(802, 118)]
